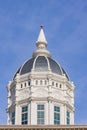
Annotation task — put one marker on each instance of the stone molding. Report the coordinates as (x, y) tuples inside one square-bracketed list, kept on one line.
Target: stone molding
[(43, 127)]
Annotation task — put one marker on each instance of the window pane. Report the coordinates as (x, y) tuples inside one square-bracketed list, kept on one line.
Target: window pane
[(13, 121), (13, 118), (56, 115), (13, 114), (68, 114), (40, 107), (56, 122), (57, 109), (68, 121), (24, 115), (40, 114), (24, 122), (24, 109), (40, 121), (68, 117)]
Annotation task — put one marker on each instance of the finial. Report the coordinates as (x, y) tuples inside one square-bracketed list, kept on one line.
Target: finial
[(41, 26), (41, 37), (41, 44)]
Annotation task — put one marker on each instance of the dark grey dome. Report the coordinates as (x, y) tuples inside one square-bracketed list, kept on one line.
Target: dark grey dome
[(41, 63)]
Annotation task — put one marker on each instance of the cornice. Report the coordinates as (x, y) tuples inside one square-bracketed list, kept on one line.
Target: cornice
[(49, 98), (43, 127)]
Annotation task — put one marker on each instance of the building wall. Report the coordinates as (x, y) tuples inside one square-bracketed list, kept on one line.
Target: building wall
[(48, 94)]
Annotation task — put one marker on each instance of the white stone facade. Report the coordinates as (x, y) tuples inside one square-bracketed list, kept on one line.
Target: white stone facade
[(40, 88)]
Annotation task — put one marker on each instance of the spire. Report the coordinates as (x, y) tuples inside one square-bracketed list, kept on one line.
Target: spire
[(41, 37), (41, 44)]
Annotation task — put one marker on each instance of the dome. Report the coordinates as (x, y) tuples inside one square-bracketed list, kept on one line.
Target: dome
[(41, 64), (41, 60)]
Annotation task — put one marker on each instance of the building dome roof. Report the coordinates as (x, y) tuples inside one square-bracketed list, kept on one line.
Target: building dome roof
[(41, 64), (41, 60)]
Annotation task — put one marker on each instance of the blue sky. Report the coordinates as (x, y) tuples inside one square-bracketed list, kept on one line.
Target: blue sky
[(65, 26)]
